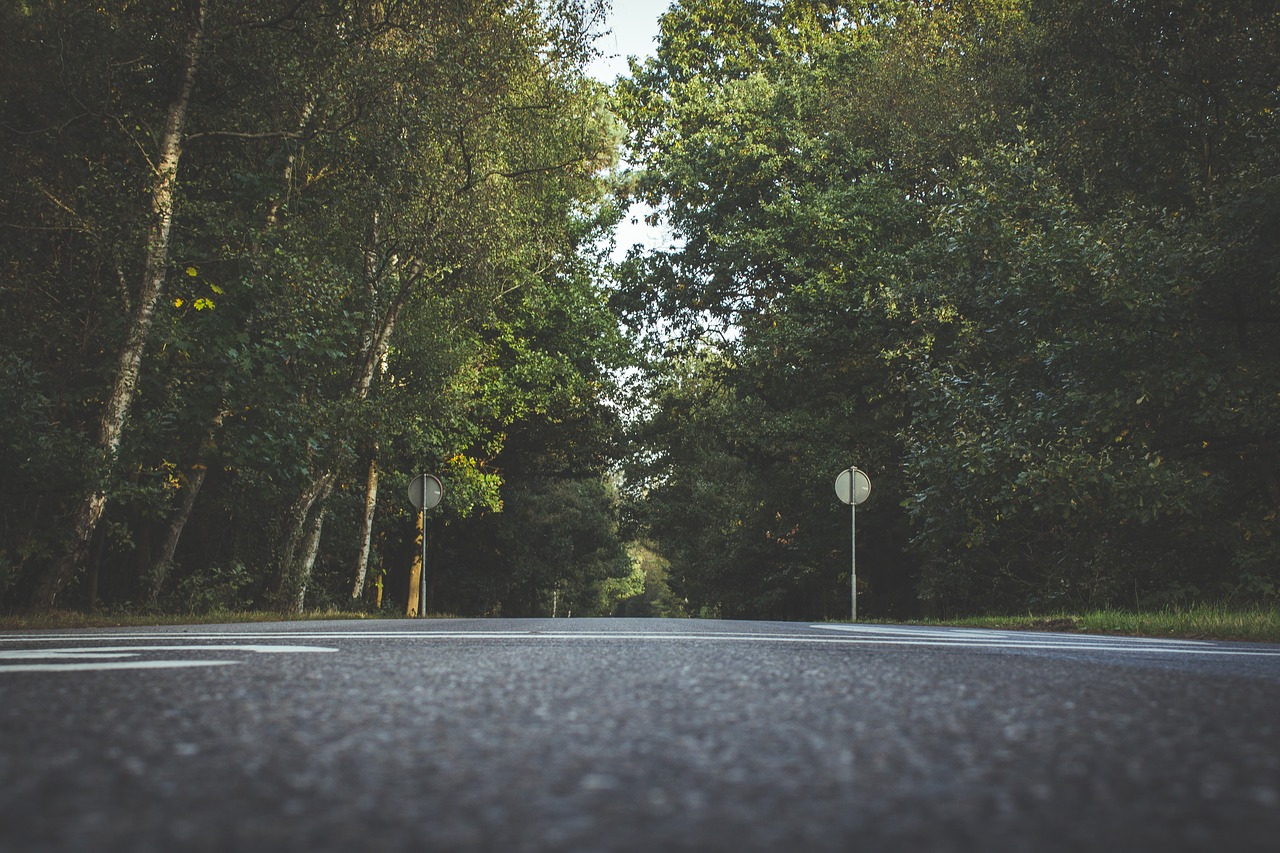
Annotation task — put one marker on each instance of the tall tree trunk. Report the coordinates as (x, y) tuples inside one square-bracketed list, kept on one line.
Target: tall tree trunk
[(311, 548), (415, 572), (95, 567), (366, 525), (164, 564), (161, 568), (378, 340), (291, 158), (116, 411), (311, 501)]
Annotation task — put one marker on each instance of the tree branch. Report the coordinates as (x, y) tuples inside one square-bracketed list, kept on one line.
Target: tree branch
[(236, 134)]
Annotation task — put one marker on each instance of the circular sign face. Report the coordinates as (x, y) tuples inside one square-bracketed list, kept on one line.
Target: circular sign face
[(856, 481), (425, 491)]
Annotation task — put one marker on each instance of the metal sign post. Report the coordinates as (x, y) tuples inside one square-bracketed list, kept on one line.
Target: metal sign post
[(853, 487), (425, 493)]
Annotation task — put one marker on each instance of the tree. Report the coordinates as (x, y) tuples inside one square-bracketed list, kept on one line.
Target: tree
[(357, 179), (1115, 433), (1039, 294), (473, 190), (187, 36), (796, 199)]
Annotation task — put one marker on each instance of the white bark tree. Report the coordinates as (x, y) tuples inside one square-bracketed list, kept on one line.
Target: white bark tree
[(119, 402)]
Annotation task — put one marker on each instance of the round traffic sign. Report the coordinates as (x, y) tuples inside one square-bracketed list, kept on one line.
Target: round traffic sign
[(425, 491), (852, 479)]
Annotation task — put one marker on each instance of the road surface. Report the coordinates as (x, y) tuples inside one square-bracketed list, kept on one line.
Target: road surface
[(620, 735)]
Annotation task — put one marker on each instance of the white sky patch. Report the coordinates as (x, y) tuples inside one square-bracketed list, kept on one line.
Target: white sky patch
[(632, 31)]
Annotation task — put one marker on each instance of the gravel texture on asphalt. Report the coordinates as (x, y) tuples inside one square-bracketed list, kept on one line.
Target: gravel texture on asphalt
[(618, 735)]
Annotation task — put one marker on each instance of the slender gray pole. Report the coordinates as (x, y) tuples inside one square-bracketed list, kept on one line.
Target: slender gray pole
[(853, 546), (422, 576)]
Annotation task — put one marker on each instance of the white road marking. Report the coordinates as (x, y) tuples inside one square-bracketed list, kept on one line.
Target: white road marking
[(990, 633), (85, 659), (105, 665), (840, 634), (1013, 640), (126, 651)]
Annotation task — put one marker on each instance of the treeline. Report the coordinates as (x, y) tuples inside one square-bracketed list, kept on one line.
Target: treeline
[(1018, 260), (261, 263)]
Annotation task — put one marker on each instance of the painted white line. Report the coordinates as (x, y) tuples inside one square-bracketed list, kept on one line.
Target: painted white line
[(1012, 636), (133, 651), (427, 635), (86, 659), (104, 665), (851, 636)]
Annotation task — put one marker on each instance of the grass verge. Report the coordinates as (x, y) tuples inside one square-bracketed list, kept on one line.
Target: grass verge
[(1199, 622), (56, 619)]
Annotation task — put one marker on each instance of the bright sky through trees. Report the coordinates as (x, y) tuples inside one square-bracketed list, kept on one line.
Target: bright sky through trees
[(632, 31)]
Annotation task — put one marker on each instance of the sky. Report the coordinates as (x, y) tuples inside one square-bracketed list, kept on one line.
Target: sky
[(633, 30)]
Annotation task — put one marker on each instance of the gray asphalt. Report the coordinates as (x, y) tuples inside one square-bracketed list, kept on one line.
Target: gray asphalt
[(619, 735)]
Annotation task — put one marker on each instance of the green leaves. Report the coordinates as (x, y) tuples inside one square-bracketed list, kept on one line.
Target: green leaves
[(958, 240), (379, 241)]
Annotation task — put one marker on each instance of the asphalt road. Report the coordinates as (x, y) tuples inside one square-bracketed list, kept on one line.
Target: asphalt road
[(633, 735)]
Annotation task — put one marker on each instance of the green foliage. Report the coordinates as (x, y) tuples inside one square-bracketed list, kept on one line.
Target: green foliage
[(1082, 398), (215, 589), (953, 244), (382, 246), (1016, 259), (553, 550), (655, 597)]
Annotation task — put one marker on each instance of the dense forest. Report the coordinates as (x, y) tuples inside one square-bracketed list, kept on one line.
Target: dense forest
[(261, 264)]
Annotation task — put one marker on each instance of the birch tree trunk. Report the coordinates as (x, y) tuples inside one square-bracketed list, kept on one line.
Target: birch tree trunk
[(312, 498), (311, 547), (296, 574), (116, 411), (366, 526), (160, 570)]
